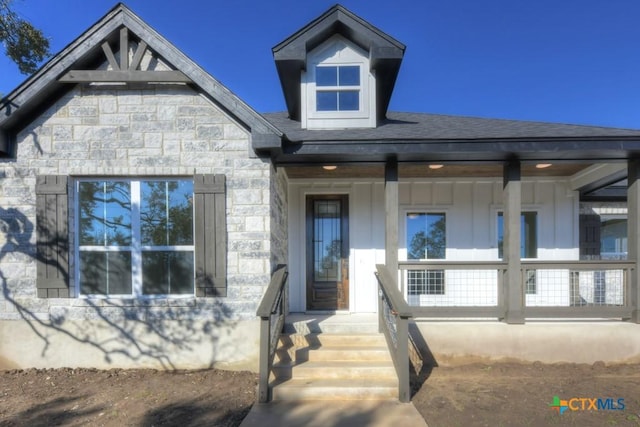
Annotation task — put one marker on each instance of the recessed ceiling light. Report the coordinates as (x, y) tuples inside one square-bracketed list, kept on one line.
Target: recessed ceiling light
[(543, 165), (436, 166), (329, 167)]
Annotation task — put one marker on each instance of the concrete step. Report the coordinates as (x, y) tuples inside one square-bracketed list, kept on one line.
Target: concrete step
[(314, 340), (350, 353), (335, 369), (332, 324), (341, 357), (333, 353), (335, 389)]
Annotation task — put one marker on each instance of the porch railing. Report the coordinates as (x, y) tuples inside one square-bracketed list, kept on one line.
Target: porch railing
[(393, 321), (453, 288), (581, 289), (272, 316), (550, 289)]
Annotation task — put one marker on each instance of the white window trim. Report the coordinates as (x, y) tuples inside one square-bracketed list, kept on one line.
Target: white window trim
[(337, 51), (135, 248), (402, 249), (362, 110)]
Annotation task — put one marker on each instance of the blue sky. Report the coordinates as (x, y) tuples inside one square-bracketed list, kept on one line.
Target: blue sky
[(568, 61)]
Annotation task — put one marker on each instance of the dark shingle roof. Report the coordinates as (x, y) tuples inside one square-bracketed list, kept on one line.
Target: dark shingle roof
[(437, 127)]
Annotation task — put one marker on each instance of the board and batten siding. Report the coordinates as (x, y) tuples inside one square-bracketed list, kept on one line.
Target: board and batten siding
[(471, 208)]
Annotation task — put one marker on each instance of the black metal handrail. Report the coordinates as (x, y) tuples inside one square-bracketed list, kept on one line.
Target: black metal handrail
[(393, 320), (272, 305)]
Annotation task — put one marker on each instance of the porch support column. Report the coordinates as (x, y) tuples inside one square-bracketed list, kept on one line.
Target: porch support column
[(633, 239), (391, 201), (512, 198)]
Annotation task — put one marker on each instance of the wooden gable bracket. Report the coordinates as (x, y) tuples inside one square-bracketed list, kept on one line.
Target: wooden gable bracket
[(123, 71)]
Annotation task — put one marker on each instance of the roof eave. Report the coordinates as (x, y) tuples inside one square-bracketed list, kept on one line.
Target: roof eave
[(464, 150), (23, 103)]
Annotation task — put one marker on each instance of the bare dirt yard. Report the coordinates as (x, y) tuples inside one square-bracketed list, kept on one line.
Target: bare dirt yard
[(475, 394)]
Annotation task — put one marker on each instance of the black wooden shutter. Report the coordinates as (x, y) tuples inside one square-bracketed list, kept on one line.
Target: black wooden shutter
[(590, 236), (210, 235), (52, 213)]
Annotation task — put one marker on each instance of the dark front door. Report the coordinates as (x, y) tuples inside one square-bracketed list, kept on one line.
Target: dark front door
[(327, 252)]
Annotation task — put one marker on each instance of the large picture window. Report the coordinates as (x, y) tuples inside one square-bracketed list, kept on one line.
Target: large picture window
[(135, 237), (426, 239)]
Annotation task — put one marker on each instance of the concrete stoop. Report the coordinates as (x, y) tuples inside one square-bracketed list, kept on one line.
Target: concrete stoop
[(348, 361)]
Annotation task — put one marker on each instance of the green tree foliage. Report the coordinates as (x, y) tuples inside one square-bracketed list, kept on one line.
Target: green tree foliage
[(105, 213), (432, 243), (24, 44), (166, 215)]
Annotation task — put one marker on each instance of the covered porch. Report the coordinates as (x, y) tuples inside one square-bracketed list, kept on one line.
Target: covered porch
[(503, 240)]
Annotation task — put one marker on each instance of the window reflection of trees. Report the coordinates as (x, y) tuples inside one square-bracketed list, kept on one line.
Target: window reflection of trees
[(105, 213), (431, 244), (165, 218), (166, 214), (329, 265)]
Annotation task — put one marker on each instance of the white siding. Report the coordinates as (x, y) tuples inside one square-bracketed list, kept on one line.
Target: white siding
[(471, 206)]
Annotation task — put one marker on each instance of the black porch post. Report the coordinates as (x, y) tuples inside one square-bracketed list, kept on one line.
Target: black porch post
[(391, 218), (512, 197), (633, 238)]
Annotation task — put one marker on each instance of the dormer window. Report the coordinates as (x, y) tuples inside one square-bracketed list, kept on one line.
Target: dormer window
[(338, 71), (338, 88)]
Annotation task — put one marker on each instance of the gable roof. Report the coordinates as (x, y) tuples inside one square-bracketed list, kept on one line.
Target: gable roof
[(430, 137), (36, 93), (385, 54)]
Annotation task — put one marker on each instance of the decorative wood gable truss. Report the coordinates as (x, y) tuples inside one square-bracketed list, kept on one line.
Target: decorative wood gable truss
[(121, 48), (125, 69)]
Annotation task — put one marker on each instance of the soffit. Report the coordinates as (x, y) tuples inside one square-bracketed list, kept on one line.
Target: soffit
[(422, 170)]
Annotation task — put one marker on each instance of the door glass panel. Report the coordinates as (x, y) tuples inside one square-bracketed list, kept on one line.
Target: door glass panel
[(327, 240)]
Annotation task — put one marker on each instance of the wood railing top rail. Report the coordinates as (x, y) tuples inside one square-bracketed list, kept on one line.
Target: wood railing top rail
[(500, 265), (269, 300), (396, 300)]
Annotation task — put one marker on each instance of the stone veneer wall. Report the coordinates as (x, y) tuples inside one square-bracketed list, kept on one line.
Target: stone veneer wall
[(279, 203), (160, 131)]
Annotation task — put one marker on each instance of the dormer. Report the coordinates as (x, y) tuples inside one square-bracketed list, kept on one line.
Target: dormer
[(338, 87), (338, 71)]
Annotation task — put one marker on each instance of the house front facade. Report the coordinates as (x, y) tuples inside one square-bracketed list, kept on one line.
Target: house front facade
[(145, 207)]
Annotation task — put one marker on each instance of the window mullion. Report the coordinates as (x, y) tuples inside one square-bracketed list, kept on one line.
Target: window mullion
[(136, 243)]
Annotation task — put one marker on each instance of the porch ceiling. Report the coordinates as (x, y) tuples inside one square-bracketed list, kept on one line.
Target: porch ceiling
[(422, 170)]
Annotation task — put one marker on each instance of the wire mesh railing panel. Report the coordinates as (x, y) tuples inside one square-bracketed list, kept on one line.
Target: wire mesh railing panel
[(578, 288), (451, 288), (390, 320)]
